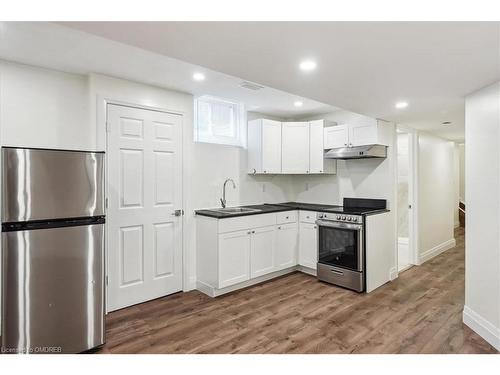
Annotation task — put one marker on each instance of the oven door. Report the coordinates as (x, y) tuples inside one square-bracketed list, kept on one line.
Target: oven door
[(340, 244)]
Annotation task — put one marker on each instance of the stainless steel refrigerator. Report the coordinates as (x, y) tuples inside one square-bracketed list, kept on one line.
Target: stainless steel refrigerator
[(52, 250)]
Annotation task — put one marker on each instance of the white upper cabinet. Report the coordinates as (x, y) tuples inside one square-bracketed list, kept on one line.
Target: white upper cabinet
[(361, 135), (264, 146), (336, 136), (350, 135), (317, 163), (287, 148), (295, 147)]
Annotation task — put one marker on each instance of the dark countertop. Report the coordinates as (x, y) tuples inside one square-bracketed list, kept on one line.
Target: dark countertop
[(264, 209), (291, 206)]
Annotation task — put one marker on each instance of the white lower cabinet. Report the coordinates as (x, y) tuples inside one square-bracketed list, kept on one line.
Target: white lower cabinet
[(308, 245), (262, 248), (286, 246), (236, 250), (234, 258)]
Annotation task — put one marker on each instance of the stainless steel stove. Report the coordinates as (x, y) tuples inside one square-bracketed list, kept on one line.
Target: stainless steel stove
[(341, 244), (341, 250)]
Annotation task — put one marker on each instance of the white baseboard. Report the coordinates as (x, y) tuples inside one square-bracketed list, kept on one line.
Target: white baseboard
[(435, 251), (304, 269), (214, 292), (403, 240), (393, 274), (190, 285), (482, 327)]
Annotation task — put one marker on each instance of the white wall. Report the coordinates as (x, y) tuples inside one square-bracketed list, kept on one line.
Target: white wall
[(436, 195), (482, 241), (456, 182), (403, 181), (44, 108), (461, 168)]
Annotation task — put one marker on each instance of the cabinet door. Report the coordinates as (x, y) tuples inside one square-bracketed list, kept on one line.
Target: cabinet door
[(336, 136), (271, 146), (234, 258), (308, 245), (262, 251), (286, 246), (295, 147), (316, 147), (361, 135)]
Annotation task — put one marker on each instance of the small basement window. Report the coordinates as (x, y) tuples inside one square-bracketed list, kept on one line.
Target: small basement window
[(218, 121)]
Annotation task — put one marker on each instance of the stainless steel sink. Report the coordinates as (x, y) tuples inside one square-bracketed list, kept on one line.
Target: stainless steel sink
[(235, 210)]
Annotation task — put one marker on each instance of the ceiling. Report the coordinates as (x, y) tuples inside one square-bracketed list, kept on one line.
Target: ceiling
[(364, 67), (59, 47)]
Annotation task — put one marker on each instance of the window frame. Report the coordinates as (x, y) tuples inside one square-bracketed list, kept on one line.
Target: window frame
[(240, 121)]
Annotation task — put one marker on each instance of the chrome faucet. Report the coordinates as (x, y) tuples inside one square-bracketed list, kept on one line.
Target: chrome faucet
[(223, 199)]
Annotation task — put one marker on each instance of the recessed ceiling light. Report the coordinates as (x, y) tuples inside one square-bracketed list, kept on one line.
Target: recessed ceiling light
[(307, 65), (199, 76), (401, 105), (446, 123), (298, 103)]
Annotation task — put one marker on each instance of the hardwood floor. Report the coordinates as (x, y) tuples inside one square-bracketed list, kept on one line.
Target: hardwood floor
[(420, 312)]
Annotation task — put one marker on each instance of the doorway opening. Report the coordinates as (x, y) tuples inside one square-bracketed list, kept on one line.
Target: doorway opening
[(405, 201)]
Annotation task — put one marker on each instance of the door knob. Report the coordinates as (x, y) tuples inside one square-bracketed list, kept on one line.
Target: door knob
[(178, 213)]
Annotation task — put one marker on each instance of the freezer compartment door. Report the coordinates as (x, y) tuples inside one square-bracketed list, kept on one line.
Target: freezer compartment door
[(51, 184), (53, 290)]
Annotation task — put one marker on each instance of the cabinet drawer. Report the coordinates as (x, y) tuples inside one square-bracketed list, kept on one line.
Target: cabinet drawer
[(286, 217), (246, 222), (307, 216)]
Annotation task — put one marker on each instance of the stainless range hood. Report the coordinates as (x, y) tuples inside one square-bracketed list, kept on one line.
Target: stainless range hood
[(357, 152)]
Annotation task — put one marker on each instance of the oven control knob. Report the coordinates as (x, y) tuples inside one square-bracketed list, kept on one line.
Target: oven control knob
[(320, 216), (354, 219), (349, 218), (343, 217), (338, 217)]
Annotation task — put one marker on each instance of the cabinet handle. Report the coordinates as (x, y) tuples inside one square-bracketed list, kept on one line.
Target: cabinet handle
[(249, 232), (254, 171), (279, 227), (345, 144), (307, 171), (253, 231), (315, 227), (265, 171)]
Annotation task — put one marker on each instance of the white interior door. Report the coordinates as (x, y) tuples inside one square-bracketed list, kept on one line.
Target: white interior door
[(144, 190)]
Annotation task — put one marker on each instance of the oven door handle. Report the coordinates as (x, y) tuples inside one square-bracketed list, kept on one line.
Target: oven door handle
[(333, 224)]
